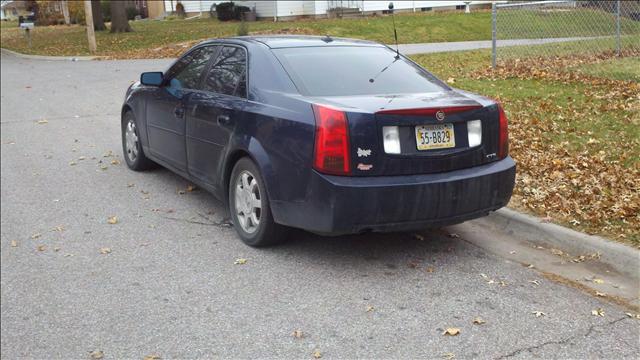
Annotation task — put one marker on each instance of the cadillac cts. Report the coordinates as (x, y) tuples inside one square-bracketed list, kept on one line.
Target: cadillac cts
[(329, 135)]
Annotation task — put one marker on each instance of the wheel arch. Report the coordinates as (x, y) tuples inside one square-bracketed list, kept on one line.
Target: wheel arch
[(259, 156)]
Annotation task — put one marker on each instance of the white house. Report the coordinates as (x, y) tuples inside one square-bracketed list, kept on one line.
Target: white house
[(277, 9)]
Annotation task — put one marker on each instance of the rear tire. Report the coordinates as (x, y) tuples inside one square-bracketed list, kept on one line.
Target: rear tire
[(131, 147), (250, 209)]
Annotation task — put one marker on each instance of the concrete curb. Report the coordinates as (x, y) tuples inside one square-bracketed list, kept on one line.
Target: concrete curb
[(50, 58), (624, 259)]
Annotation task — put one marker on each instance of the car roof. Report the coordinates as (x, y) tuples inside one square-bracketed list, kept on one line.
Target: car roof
[(289, 41)]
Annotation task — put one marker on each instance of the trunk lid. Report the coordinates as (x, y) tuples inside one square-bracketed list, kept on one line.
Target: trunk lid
[(369, 115)]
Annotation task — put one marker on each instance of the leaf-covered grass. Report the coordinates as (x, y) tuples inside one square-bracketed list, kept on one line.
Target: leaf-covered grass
[(574, 132)]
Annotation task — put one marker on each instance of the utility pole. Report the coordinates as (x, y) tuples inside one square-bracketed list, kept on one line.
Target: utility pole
[(91, 35)]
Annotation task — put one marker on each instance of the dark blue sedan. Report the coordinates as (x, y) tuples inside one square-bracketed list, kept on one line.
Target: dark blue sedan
[(334, 136)]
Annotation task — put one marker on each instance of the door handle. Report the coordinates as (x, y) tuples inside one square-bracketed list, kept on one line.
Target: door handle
[(179, 112), (224, 120)]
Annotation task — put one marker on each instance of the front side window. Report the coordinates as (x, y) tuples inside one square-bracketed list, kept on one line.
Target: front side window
[(186, 73), (354, 70), (228, 72)]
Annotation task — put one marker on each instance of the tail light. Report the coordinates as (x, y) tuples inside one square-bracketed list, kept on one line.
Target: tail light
[(332, 141), (503, 142)]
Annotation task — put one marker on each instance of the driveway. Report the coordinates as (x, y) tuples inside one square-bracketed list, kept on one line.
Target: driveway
[(162, 279)]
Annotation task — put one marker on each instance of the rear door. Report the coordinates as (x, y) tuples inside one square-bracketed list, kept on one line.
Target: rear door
[(214, 112), (165, 111)]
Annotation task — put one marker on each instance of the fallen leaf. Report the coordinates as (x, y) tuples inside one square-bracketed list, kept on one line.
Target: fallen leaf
[(538, 313), (81, 158), (597, 312), (557, 252), (535, 282), (112, 220), (240, 261), (449, 355), (633, 316), (430, 269), (512, 252), (68, 255), (73, 163), (598, 293), (478, 321), (191, 188), (152, 357), (598, 281), (96, 354), (42, 247), (43, 121), (370, 308), (14, 243), (103, 167), (131, 185), (36, 235), (115, 162), (451, 80), (451, 331), (58, 228), (298, 334), (317, 354), (105, 250)]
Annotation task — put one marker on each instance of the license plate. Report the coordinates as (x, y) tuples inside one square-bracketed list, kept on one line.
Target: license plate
[(438, 136)]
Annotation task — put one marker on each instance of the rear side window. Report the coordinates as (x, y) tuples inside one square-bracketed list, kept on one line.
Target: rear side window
[(187, 71), (351, 70), (228, 73)]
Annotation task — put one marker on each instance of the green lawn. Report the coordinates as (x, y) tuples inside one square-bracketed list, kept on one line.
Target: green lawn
[(153, 34), (619, 69), (574, 132)]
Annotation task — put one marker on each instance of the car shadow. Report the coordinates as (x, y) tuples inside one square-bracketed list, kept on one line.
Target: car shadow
[(391, 249)]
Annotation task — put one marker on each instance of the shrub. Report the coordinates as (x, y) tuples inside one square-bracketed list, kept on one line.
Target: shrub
[(225, 11), (229, 11), (132, 13), (106, 10)]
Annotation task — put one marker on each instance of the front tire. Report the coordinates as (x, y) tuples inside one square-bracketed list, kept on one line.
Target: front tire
[(131, 147), (249, 207)]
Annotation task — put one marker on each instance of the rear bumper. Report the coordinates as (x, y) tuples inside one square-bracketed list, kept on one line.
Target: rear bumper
[(343, 205)]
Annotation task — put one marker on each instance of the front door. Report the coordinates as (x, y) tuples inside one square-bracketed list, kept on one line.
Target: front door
[(213, 113), (166, 107)]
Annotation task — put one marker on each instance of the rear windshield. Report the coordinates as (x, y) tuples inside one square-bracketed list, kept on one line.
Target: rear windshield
[(351, 70)]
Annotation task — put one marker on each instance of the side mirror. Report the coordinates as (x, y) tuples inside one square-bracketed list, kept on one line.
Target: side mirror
[(155, 78)]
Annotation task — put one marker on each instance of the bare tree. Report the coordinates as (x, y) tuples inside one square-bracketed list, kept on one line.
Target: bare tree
[(119, 21), (98, 19)]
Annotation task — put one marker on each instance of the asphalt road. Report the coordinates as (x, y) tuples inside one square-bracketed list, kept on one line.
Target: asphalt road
[(169, 285)]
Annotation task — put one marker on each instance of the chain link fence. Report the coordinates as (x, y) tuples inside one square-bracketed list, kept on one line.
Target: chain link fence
[(560, 28)]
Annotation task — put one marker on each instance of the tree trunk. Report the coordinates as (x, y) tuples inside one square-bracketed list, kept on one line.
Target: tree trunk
[(65, 12), (119, 21), (98, 20)]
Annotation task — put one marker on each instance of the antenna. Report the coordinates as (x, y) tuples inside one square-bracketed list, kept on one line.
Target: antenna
[(395, 33)]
